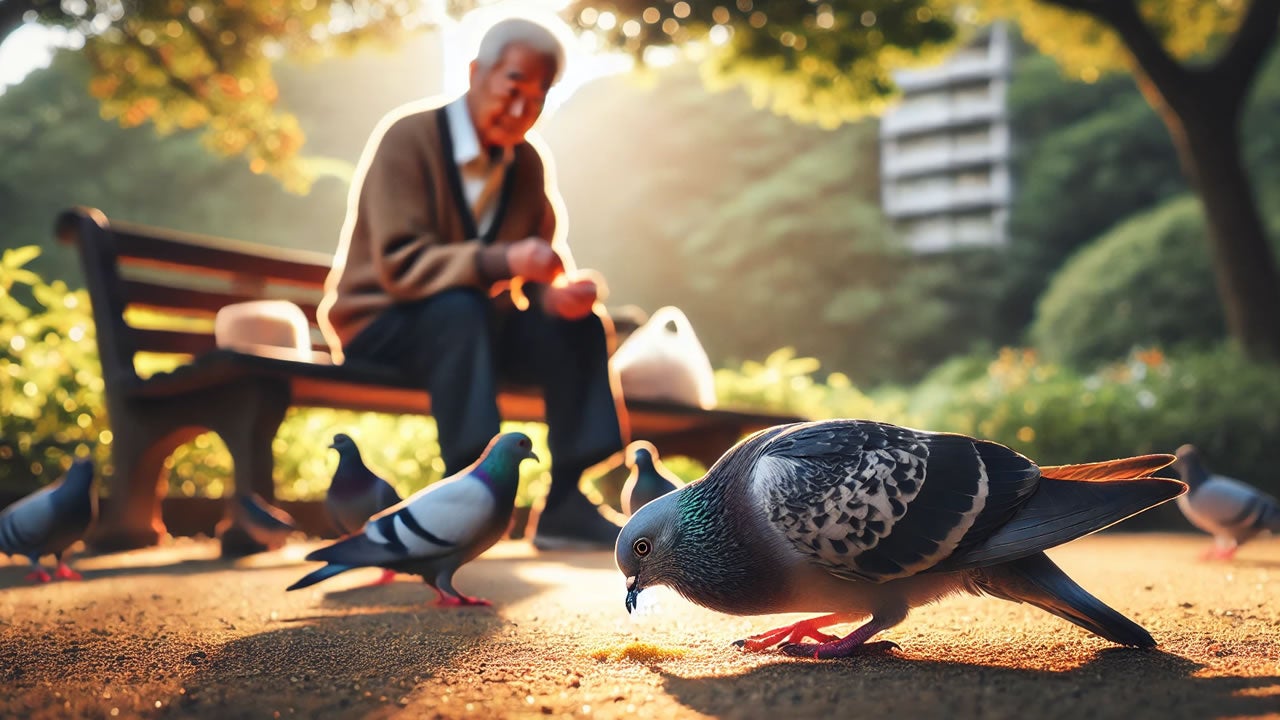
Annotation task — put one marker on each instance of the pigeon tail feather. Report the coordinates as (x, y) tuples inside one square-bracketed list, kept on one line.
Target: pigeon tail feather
[(320, 575), (1062, 510), (355, 551), (1122, 469), (1037, 580)]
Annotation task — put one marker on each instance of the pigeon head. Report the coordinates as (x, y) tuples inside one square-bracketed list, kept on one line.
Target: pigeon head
[(505, 453), (640, 454), (648, 548), (343, 443), (1190, 465)]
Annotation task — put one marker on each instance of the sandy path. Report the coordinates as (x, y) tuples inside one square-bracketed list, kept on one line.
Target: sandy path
[(174, 632)]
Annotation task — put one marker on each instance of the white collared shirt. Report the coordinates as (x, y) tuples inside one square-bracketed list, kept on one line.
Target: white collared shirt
[(475, 167)]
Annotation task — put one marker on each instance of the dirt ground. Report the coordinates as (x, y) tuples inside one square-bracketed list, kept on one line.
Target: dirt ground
[(175, 632)]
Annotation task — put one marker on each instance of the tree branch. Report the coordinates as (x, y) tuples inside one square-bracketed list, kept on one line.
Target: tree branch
[(1166, 74), (179, 84), (207, 44), (1236, 68)]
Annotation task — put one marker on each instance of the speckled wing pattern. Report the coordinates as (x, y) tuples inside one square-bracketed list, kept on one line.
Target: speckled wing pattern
[(875, 502)]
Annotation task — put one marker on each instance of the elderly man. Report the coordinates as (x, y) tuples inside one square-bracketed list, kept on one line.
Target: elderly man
[(451, 204)]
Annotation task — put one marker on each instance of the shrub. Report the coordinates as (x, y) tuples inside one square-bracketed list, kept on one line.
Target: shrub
[(1149, 281)]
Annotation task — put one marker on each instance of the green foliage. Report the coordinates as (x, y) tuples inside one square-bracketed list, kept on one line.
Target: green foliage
[(781, 244), (1147, 282), (50, 380), (58, 152), (825, 63), (1087, 157), (1146, 403), (209, 65)]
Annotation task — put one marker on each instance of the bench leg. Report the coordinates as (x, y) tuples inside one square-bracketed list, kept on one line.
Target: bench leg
[(131, 516), (248, 430)]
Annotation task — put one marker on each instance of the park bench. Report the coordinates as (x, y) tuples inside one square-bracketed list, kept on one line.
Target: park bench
[(243, 397)]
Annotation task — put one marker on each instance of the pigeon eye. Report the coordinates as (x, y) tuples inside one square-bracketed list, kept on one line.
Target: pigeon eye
[(641, 547)]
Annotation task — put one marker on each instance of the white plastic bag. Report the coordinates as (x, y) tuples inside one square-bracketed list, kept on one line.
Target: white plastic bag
[(663, 360)]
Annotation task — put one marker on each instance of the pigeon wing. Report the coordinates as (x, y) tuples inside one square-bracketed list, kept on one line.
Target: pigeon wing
[(875, 502), (26, 525), (439, 520)]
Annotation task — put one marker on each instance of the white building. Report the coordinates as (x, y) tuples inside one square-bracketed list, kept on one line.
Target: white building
[(945, 149)]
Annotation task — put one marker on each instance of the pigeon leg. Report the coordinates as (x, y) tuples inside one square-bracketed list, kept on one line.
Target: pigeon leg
[(791, 634), (66, 573), (851, 644), (37, 574), (450, 597), (388, 576)]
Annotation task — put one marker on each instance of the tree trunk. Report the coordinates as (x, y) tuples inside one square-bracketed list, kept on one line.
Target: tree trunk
[(1207, 137)]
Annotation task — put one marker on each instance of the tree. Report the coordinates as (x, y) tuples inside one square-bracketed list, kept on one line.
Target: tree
[(1195, 62), (186, 65)]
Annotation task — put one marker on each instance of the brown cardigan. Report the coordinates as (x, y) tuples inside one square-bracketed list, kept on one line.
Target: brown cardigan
[(408, 232)]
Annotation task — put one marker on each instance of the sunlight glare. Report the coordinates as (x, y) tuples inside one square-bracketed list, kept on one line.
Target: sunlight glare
[(31, 47), (583, 62)]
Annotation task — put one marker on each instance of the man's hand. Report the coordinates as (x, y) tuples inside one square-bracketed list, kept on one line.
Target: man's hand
[(533, 259), (571, 300)]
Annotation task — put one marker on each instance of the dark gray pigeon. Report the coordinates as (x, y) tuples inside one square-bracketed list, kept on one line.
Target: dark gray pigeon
[(1233, 512), (649, 479), (356, 493), (264, 523), (858, 518), (439, 528), (49, 520)]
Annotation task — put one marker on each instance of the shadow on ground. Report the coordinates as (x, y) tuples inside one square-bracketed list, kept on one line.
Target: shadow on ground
[(1114, 683), (365, 650)]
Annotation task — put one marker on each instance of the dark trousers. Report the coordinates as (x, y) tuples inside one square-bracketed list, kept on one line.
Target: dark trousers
[(463, 344)]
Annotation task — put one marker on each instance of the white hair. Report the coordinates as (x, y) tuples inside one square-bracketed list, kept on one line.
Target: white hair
[(519, 31)]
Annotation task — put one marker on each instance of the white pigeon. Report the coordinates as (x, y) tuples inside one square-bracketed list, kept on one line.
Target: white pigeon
[(439, 528), (855, 518), (1233, 512)]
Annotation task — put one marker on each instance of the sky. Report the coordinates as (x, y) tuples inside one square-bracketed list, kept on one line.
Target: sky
[(27, 48)]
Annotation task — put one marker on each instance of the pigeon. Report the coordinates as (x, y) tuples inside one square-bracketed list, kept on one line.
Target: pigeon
[(264, 523), (1233, 512), (49, 520), (356, 493), (648, 481), (858, 518), (439, 528)]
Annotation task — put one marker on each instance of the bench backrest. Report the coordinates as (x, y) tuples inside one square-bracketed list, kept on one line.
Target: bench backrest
[(178, 276)]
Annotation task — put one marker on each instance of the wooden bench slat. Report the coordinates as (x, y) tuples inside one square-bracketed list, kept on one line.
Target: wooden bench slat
[(190, 301), (218, 256)]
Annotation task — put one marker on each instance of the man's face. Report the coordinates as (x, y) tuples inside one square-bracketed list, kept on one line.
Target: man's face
[(506, 99)]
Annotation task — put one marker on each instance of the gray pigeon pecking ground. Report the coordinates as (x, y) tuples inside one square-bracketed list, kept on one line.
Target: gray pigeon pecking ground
[(1233, 512), (649, 479), (356, 493), (49, 520), (264, 524), (857, 518), (439, 528)]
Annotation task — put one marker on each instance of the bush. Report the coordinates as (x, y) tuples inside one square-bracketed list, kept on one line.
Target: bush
[(50, 379), (1147, 403), (1149, 281)]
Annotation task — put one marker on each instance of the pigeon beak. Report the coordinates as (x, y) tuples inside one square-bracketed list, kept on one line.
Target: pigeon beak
[(533, 456), (633, 592)]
